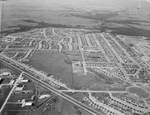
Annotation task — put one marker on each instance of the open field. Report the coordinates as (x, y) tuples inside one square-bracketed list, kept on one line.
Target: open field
[(4, 68), (103, 77), (53, 63), (16, 107), (6, 81), (83, 81), (20, 95), (74, 56), (139, 92), (4, 91)]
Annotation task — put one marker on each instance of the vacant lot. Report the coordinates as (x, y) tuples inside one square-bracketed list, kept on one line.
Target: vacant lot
[(83, 81), (19, 96), (16, 107), (4, 91), (101, 76), (54, 63), (5, 68), (139, 91)]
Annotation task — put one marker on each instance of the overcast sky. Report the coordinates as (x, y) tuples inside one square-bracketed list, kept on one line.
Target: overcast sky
[(81, 3), (18, 9), (75, 2)]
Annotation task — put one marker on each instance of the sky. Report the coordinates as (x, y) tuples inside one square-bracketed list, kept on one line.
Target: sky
[(80, 3), (74, 2), (14, 10)]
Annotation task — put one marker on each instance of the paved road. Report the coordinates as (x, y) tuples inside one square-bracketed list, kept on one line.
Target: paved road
[(14, 86), (93, 91), (47, 86)]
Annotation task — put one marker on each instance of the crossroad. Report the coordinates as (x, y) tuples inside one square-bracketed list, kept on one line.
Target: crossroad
[(48, 86)]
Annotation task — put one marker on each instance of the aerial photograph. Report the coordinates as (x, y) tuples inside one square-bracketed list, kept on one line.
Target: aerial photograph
[(74, 57)]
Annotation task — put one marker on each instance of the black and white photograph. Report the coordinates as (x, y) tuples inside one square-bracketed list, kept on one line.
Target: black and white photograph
[(74, 57)]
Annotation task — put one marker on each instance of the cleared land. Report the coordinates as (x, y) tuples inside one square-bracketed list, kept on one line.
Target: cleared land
[(53, 63), (139, 91), (4, 91)]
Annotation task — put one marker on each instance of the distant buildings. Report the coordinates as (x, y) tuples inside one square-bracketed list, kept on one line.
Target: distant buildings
[(5, 74), (24, 103), (19, 87), (44, 96), (22, 80)]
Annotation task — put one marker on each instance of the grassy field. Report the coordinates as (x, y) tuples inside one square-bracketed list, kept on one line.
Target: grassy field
[(59, 107), (6, 80), (74, 56), (4, 68), (16, 107), (15, 113), (83, 81), (70, 109), (20, 96), (102, 77), (57, 64), (53, 63), (139, 92), (4, 91)]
